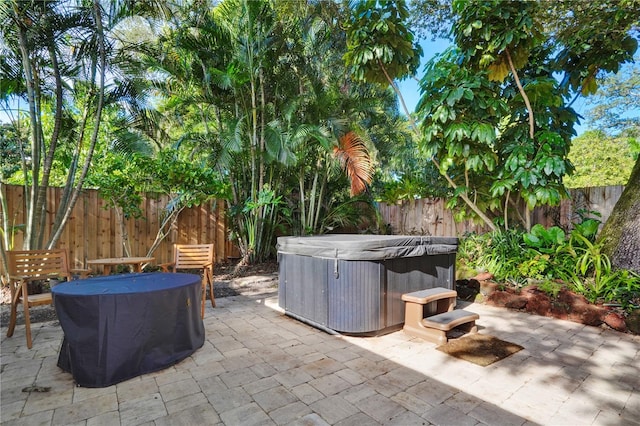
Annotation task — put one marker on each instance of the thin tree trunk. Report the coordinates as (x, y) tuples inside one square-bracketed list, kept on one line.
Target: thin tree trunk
[(32, 192), (66, 193), (506, 209), (38, 214), (262, 129), (523, 93), (516, 208), (163, 230), (414, 127), (254, 138), (97, 12), (254, 107), (312, 199), (48, 160), (73, 167), (320, 200), (126, 244), (303, 213), (5, 242)]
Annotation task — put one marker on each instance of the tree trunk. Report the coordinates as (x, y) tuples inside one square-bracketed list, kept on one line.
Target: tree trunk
[(6, 237), (621, 233), (102, 58), (32, 192), (414, 127)]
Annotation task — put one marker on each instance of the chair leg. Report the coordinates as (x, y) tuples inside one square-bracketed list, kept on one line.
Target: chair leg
[(27, 317), (15, 297), (213, 297)]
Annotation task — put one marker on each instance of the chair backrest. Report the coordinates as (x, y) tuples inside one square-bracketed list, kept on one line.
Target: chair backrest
[(193, 256), (39, 263)]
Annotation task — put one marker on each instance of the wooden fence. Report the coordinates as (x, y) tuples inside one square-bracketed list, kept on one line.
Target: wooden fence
[(93, 232), (424, 216), (428, 216)]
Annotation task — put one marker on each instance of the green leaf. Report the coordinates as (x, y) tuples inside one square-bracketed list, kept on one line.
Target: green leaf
[(531, 200), (454, 96), (512, 163), (526, 178), (474, 162), (457, 132), (556, 235), (548, 166), (531, 240)]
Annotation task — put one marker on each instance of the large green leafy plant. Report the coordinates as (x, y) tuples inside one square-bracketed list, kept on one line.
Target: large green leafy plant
[(496, 116), (551, 259)]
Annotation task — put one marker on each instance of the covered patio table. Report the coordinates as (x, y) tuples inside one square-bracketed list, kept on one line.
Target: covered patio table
[(122, 326)]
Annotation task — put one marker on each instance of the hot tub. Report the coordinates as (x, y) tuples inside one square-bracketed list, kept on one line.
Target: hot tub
[(353, 284)]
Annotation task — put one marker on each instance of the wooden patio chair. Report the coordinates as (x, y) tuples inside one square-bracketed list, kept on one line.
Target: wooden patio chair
[(26, 266), (194, 256)]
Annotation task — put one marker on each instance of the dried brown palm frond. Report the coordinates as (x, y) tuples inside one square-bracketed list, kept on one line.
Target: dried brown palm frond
[(355, 159)]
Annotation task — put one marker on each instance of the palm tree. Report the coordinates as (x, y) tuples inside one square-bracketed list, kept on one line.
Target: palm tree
[(50, 42), (242, 92), (66, 63)]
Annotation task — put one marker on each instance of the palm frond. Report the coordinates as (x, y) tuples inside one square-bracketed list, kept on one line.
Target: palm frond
[(354, 156), (127, 143)]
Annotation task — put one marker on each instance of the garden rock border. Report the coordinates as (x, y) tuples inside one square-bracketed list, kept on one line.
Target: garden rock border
[(565, 305)]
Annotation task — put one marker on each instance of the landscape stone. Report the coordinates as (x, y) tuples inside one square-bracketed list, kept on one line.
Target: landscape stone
[(615, 321)]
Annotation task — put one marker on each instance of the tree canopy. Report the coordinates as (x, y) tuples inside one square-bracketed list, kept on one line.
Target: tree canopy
[(495, 112), (227, 86), (600, 160), (615, 107), (290, 109)]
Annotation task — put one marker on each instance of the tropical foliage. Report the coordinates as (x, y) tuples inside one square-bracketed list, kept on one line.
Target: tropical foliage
[(551, 259), (266, 118), (601, 160), (494, 113), (224, 87), (65, 63), (615, 108), (121, 181), (289, 110)]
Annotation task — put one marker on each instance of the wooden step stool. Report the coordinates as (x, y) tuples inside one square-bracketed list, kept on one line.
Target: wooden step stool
[(420, 320)]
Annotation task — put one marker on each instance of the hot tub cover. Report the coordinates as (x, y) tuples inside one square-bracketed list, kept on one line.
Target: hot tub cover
[(366, 247)]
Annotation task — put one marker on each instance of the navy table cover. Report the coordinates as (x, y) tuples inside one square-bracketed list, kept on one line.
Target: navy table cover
[(121, 326)]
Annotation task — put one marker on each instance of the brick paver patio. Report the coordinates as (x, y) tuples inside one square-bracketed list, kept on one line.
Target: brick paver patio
[(259, 366)]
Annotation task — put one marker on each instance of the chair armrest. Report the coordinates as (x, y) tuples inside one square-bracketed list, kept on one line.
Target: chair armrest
[(16, 278), (165, 266), (26, 278)]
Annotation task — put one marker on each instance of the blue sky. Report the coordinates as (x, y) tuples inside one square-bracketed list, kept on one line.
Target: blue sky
[(409, 87)]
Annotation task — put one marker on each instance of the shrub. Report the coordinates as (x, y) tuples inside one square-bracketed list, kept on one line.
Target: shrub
[(546, 255)]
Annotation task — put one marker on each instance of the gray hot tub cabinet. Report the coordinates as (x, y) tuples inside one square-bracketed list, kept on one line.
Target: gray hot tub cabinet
[(353, 284)]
